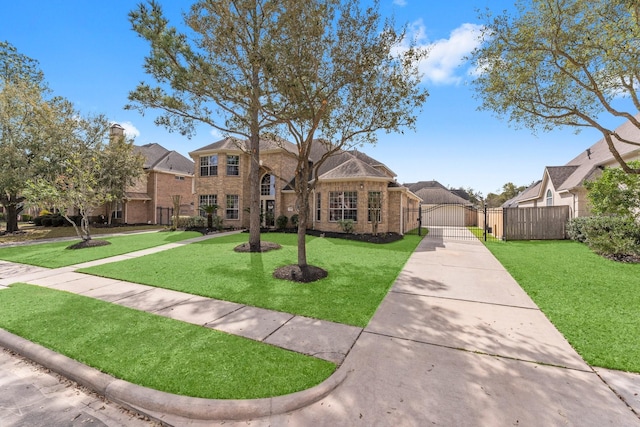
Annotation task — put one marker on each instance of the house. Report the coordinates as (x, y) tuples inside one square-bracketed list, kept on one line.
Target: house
[(564, 185), (443, 207), (166, 173), (350, 186)]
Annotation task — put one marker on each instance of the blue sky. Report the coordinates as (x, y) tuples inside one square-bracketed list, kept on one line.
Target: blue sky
[(90, 55)]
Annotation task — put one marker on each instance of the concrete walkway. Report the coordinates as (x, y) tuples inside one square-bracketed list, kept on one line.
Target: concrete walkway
[(456, 342)]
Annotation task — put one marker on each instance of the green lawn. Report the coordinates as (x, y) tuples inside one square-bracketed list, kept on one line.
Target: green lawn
[(154, 351), (360, 274), (594, 302), (54, 255)]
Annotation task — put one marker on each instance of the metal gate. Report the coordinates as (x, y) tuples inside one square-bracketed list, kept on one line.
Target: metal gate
[(164, 215), (449, 221)]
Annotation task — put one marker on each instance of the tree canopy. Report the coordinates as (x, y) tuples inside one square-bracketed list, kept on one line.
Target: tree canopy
[(616, 193), (563, 63)]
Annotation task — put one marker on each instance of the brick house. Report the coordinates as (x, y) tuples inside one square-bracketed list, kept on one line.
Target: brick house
[(350, 185), (166, 173)]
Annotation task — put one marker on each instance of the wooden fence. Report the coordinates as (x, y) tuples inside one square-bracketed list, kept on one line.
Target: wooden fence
[(546, 223)]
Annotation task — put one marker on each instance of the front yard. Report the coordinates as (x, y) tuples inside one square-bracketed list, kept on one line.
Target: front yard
[(594, 302)]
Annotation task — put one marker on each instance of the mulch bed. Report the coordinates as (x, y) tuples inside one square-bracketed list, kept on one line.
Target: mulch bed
[(264, 247), (89, 244), (294, 273)]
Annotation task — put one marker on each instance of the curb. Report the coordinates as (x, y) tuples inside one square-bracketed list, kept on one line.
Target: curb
[(161, 405)]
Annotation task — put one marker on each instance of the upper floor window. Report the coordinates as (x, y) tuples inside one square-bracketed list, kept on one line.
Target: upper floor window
[(268, 185), (343, 205), (549, 198), (208, 165), (233, 165)]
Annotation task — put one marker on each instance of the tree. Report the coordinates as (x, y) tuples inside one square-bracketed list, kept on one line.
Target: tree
[(340, 76), (509, 191), (615, 192), (563, 63), (79, 180), (121, 165), (25, 120), (210, 210), (214, 75)]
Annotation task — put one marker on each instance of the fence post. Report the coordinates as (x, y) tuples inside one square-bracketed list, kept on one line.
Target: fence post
[(484, 233)]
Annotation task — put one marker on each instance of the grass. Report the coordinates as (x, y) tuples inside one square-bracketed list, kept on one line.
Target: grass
[(360, 274), (594, 302), (55, 255), (30, 232), (153, 351)]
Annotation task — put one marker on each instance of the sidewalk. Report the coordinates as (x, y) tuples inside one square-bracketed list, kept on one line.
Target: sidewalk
[(456, 342)]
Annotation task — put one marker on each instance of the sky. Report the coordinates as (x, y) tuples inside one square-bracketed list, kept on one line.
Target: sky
[(89, 55)]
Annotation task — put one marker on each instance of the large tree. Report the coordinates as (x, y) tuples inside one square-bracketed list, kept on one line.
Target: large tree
[(214, 73), (564, 63), (25, 120), (341, 75), (616, 193), (82, 179)]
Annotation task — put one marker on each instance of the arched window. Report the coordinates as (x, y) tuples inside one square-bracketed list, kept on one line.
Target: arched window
[(268, 185), (549, 198)]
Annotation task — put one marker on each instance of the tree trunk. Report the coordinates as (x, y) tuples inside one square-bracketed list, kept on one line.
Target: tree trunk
[(10, 204), (12, 218), (254, 167)]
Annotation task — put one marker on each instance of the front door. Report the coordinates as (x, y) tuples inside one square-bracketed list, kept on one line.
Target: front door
[(268, 211)]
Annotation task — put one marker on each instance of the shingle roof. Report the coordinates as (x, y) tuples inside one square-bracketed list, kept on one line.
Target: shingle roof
[(425, 184), (158, 158), (234, 144), (559, 174), (440, 196), (353, 168), (530, 192)]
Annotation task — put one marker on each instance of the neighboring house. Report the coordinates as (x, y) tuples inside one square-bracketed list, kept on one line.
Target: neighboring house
[(166, 173), (443, 207), (350, 185), (564, 185)]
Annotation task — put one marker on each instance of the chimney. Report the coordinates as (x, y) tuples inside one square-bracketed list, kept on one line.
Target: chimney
[(116, 130)]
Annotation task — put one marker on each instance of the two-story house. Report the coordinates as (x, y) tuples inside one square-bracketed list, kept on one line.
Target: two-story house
[(350, 186)]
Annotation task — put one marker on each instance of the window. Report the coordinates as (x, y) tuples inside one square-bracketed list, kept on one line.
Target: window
[(207, 200), (233, 165), (208, 165), (179, 178), (549, 198), (117, 212), (343, 205), (268, 185), (375, 206), (233, 206), (318, 206)]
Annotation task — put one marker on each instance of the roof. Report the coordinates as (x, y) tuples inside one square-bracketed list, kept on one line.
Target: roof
[(425, 184), (353, 168), (242, 145), (131, 195), (530, 192), (158, 158), (587, 162), (440, 196)]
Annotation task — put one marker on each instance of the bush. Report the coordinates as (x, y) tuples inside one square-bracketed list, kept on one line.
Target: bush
[(281, 222), (58, 221), (294, 220), (192, 222), (611, 235), (25, 217), (575, 228), (346, 225)]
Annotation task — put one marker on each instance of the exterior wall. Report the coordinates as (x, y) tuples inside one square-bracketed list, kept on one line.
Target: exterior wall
[(223, 185), (166, 185), (137, 212)]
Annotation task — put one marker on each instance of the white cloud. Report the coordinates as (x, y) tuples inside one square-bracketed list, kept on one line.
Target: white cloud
[(130, 130), (446, 56), (401, 3), (216, 133)]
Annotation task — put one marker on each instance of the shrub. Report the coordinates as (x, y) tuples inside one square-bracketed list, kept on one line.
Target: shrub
[(58, 221), (612, 235), (575, 228), (281, 222), (25, 217), (218, 222), (294, 220), (346, 225), (47, 220)]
